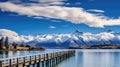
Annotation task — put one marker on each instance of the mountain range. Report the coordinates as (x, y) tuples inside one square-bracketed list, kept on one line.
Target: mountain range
[(74, 39)]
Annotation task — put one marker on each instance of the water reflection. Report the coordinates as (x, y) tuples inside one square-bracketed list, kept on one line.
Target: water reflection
[(5, 54), (93, 58), (98, 58)]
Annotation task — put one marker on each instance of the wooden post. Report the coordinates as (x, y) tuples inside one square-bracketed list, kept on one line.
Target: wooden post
[(0, 63), (39, 58), (35, 59), (30, 60), (33, 65), (53, 59), (17, 62), (10, 63), (43, 60), (50, 59), (28, 66), (44, 57), (38, 64), (23, 61), (60, 56), (42, 63), (56, 58), (47, 59)]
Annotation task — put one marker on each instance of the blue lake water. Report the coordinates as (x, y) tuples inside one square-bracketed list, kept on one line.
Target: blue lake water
[(82, 58)]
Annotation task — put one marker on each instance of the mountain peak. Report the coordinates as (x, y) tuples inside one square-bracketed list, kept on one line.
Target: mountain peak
[(110, 31), (78, 31)]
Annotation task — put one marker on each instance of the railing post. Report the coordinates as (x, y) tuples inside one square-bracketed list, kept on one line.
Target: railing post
[(47, 59), (17, 62), (0, 63), (30, 60), (10, 63), (35, 59), (39, 58), (50, 58), (56, 58), (43, 60), (23, 61)]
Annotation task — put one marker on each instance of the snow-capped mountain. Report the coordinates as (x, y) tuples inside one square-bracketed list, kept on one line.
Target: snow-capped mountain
[(74, 39)]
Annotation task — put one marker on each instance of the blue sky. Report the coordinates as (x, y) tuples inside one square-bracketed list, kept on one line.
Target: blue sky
[(25, 23)]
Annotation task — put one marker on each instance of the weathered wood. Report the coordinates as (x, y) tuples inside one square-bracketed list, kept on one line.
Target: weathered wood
[(47, 59)]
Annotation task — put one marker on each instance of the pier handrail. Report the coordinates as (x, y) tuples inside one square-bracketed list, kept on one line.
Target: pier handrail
[(56, 56), (2, 59)]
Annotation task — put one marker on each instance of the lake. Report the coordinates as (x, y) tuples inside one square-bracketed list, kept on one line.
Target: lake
[(82, 58)]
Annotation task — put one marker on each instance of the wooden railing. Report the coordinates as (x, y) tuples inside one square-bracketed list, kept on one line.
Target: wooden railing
[(42, 59)]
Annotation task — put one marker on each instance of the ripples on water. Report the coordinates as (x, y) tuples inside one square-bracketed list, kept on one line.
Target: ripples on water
[(83, 58)]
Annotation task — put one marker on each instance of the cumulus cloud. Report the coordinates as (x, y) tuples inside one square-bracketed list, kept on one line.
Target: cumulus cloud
[(96, 10), (52, 27), (72, 14), (13, 36)]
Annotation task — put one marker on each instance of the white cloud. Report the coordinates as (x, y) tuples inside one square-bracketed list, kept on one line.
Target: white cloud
[(39, 18), (50, 2), (13, 36), (5, 32), (72, 14), (55, 20), (52, 27), (96, 10)]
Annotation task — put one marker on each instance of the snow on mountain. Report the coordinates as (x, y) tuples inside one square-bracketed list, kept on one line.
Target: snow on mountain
[(74, 39)]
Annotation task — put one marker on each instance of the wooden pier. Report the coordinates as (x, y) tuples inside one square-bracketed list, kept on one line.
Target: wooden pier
[(37, 60)]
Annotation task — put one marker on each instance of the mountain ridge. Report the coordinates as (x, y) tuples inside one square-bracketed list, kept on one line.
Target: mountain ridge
[(74, 39)]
